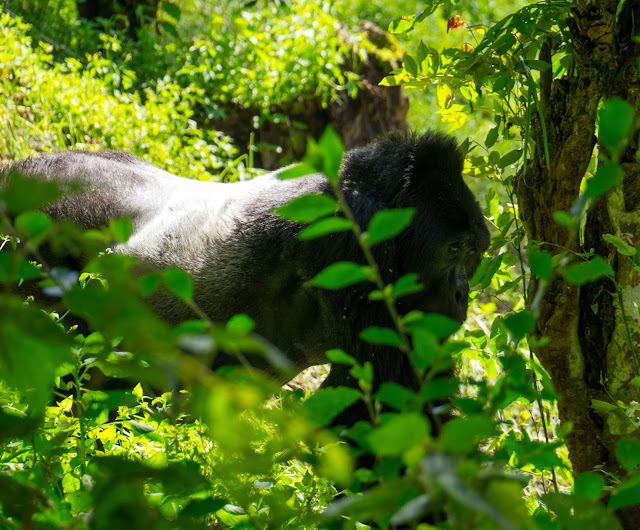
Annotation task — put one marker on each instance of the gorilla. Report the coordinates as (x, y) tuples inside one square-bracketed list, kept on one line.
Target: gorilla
[(244, 258)]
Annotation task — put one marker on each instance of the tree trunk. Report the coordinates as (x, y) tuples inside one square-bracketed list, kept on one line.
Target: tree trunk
[(589, 355)]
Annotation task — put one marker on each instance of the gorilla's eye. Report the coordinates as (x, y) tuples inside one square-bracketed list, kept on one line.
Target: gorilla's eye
[(471, 251), (454, 249)]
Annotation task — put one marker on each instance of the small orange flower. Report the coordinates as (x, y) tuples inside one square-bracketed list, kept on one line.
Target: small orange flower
[(455, 22)]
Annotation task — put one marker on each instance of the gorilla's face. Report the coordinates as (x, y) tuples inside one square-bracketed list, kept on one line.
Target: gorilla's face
[(449, 237)]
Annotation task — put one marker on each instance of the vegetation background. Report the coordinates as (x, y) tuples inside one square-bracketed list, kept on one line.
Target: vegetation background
[(547, 378)]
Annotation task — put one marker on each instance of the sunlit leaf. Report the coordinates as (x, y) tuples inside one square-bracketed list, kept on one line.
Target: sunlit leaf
[(325, 226), (621, 246), (387, 223), (307, 208)]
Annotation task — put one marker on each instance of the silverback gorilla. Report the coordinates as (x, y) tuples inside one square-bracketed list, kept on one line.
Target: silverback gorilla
[(245, 259)]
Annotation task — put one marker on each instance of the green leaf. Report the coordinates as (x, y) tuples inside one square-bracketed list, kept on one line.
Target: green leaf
[(540, 263), (535, 64), (462, 435), (21, 194), (387, 223), (519, 324), (614, 121), (627, 494), (33, 225), (149, 283), (494, 265), (492, 137), (171, 10), (326, 403), (588, 271), (384, 336), (576, 512), (439, 325), (606, 177), (425, 347), (405, 23), (169, 28), (407, 284), (341, 274), (241, 325), (32, 347), (628, 453), (590, 485), (440, 388), (399, 434), (325, 226), (307, 208), (363, 373), (331, 149), (410, 65), (395, 395), (510, 158), (121, 229), (564, 219), (602, 407), (621, 246), (339, 356), (203, 507), (179, 283), (422, 53)]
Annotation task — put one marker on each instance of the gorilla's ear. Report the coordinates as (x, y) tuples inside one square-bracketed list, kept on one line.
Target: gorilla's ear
[(403, 166)]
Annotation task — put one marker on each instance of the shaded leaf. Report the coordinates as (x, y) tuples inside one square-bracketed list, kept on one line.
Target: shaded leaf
[(398, 434), (179, 283), (395, 395), (590, 485), (341, 274), (614, 121), (588, 271), (628, 453), (121, 229), (606, 177), (519, 324), (326, 403), (379, 335)]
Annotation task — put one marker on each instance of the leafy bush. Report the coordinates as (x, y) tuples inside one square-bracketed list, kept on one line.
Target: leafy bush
[(269, 57), (54, 106)]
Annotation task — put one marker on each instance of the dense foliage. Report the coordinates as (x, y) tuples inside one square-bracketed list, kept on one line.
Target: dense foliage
[(231, 449)]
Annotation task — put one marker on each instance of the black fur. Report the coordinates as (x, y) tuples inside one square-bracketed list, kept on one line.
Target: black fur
[(245, 259)]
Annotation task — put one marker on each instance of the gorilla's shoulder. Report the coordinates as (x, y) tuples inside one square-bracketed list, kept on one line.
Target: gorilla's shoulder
[(44, 163)]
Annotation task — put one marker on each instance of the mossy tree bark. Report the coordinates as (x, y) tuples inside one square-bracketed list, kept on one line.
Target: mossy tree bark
[(589, 355)]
